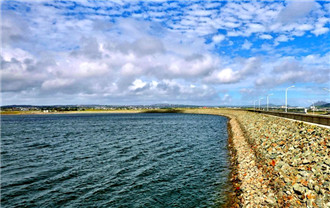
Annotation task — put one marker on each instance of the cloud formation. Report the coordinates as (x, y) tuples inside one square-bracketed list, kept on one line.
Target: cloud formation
[(124, 52)]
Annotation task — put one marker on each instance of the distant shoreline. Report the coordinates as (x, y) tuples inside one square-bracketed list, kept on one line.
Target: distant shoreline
[(66, 112), (169, 110)]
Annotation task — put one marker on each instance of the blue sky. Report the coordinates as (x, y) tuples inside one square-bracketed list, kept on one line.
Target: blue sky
[(146, 52)]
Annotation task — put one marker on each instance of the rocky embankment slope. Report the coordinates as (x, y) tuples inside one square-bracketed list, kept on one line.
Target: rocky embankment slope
[(278, 163)]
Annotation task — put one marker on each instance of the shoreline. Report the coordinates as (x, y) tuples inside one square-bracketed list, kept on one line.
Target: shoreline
[(249, 187), (276, 162), (170, 110), (66, 112), (234, 196)]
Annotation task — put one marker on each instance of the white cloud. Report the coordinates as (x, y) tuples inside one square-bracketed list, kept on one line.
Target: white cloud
[(231, 24), (250, 66), (246, 91), (200, 12), (226, 99), (218, 38), (234, 33), (266, 36), (304, 27), (148, 45), (316, 60), (192, 66), (226, 76), (56, 84), (296, 10), (281, 38), (91, 69), (320, 30), (130, 69), (289, 70), (246, 45), (137, 84), (254, 28)]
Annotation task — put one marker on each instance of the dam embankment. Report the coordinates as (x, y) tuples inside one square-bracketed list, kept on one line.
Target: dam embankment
[(277, 162)]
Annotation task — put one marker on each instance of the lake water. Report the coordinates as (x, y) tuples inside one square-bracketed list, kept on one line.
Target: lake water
[(114, 160)]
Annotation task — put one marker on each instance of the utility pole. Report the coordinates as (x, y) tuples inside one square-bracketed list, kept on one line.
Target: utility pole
[(259, 102), (268, 100), (286, 98)]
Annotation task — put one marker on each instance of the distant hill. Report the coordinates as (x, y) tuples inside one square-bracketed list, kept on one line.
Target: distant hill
[(273, 105), (327, 105), (167, 105), (17, 106), (321, 104)]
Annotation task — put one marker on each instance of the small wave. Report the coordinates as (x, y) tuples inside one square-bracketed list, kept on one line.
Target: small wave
[(38, 145)]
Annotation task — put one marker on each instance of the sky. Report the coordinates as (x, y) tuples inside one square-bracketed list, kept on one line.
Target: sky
[(126, 52)]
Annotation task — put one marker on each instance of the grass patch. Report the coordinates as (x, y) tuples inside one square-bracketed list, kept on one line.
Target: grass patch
[(18, 112)]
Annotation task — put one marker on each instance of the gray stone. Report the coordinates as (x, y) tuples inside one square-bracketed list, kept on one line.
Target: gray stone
[(306, 161), (319, 202), (273, 156), (287, 179), (298, 188), (327, 185), (327, 161), (317, 189), (328, 204), (304, 174), (271, 200), (310, 184)]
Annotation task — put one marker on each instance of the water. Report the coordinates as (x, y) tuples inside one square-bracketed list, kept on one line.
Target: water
[(114, 160)]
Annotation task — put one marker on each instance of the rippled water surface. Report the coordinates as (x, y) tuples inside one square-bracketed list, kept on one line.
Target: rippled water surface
[(114, 160)]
